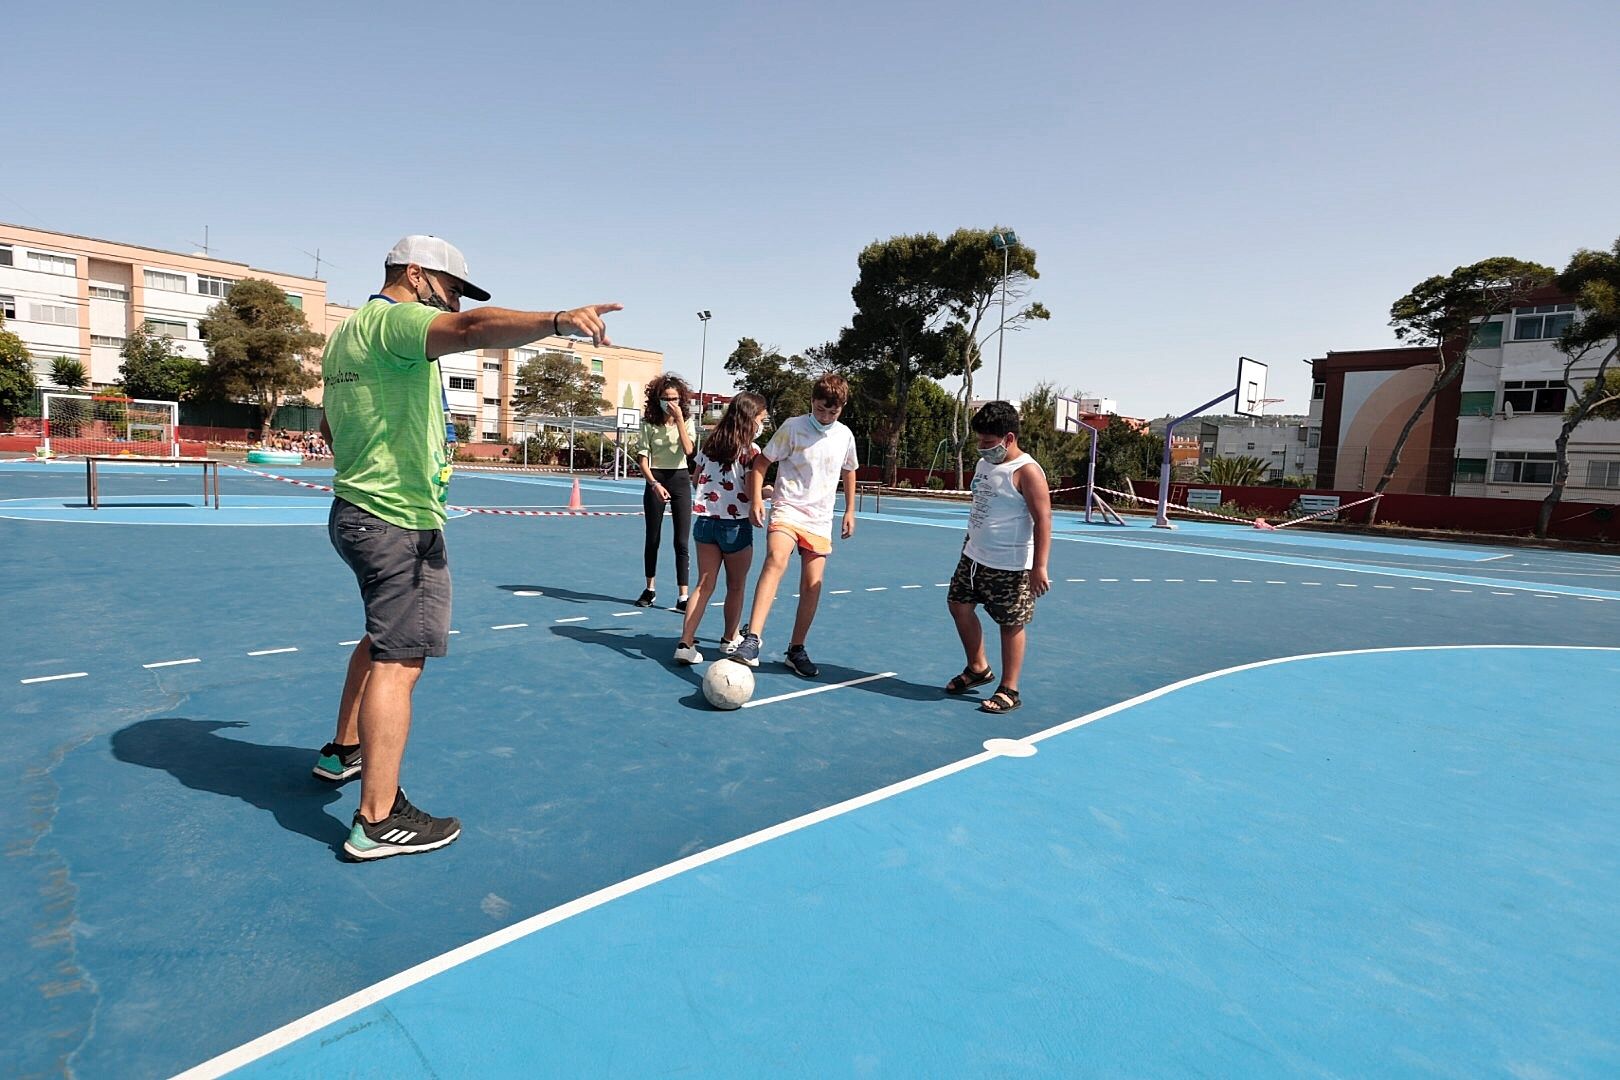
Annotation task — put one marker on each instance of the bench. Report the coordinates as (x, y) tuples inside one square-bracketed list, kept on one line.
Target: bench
[(92, 480)]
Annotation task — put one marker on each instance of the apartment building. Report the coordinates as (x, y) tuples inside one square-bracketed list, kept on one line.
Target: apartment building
[(79, 297), (1287, 444)]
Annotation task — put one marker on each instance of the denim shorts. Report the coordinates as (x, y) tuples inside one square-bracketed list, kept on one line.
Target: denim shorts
[(730, 535), (404, 578)]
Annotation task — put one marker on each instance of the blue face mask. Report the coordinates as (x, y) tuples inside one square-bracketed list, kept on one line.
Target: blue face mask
[(819, 426)]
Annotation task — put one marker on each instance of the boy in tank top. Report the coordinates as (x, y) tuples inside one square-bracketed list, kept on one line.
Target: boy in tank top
[(1004, 561)]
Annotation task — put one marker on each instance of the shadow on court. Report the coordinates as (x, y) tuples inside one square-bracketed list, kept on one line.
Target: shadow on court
[(272, 778), (572, 596)]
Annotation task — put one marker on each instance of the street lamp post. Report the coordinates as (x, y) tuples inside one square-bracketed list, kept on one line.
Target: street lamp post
[(703, 363), (1003, 242)]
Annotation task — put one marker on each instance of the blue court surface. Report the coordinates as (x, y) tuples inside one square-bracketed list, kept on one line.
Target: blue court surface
[(1277, 804)]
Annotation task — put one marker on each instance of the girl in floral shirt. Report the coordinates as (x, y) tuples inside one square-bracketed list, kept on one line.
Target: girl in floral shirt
[(721, 524)]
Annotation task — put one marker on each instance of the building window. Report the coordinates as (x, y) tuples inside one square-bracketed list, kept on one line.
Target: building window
[(8, 307), (527, 354), (1534, 397), (52, 264), (1487, 336), (492, 401), (169, 328), (463, 382), (1469, 470), (1477, 403), (108, 292), (157, 279), (6, 257), (1545, 321), (1603, 474), (110, 342), (1318, 390), (55, 314), (1251, 446), (492, 436), (491, 367), (596, 366), (208, 285), (1314, 438), (296, 301), (1523, 467)]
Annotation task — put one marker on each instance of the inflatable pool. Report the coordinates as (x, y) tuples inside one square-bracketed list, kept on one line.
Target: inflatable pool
[(275, 457)]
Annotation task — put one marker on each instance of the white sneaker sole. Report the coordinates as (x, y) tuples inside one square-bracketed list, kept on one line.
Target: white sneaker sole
[(383, 851), (321, 774)]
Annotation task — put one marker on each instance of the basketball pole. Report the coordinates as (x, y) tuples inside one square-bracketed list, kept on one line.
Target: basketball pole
[(1162, 521)]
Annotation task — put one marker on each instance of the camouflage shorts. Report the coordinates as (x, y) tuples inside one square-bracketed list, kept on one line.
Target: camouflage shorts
[(1004, 593)]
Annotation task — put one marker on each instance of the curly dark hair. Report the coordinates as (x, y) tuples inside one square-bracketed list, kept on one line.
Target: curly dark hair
[(652, 409), (998, 418)]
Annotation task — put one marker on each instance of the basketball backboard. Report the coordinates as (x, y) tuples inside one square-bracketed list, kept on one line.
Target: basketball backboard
[(629, 418), (1068, 416), (1251, 387)]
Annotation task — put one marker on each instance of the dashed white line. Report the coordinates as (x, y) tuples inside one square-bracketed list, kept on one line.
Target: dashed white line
[(1173, 581), (1315, 583), (625, 614), (1141, 579), (55, 678), (527, 592), (1276, 583), (1209, 581), (1343, 585), (273, 652), (1383, 586), (356, 641), (510, 626), (1495, 592), (174, 663), (942, 584), (842, 592), (1078, 580), (913, 586), (1241, 581), (718, 603), (576, 618), (1462, 590), (1546, 596), (1108, 579), (455, 631), (878, 588)]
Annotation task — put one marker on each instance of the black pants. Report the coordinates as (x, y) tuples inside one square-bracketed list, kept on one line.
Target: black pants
[(679, 484)]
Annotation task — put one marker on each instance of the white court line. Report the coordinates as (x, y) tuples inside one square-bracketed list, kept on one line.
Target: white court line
[(55, 678), (919, 586), (290, 1033), (510, 626), (356, 641), (818, 689), (272, 652), (878, 588), (1493, 558), (838, 592), (174, 663), (625, 614), (576, 618)]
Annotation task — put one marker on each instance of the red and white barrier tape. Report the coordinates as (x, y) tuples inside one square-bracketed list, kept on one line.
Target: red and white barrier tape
[(463, 509), (1260, 523), (1135, 498)]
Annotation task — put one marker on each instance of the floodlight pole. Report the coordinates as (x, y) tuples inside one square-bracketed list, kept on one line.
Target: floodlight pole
[(1005, 241), (1163, 519), (703, 363)]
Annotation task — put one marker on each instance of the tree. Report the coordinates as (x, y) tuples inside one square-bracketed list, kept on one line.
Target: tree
[(973, 269), (68, 373), (1242, 471), (556, 384), (1593, 278), (1440, 312), (900, 296), (784, 382), (1125, 453), (153, 368), (1059, 453), (16, 375), (260, 347)]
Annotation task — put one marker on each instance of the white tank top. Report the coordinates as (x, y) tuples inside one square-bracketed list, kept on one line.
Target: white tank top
[(1001, 534)]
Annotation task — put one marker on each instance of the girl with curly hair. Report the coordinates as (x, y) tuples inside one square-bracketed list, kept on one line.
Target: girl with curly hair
[(668, 441)]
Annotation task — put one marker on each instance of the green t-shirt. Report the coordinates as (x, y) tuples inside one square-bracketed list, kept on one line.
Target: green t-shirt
[(661, 444), (385, 406)]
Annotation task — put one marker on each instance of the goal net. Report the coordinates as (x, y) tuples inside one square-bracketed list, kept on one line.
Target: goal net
[(82, 425)]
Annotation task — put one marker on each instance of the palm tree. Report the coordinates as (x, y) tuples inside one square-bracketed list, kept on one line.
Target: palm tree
[(68, 373), (1233, 471)]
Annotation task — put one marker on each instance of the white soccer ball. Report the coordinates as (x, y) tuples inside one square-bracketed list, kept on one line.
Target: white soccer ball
[(728, 684)]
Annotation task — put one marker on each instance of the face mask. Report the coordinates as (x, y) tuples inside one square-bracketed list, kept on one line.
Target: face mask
[(819, 426), (996, 454), (432, 299), (670, 407)]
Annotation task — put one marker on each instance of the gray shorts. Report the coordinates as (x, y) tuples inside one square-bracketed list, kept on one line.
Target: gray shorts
[(404, 577)]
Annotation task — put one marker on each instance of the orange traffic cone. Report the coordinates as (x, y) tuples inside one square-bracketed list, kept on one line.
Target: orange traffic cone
[(574, 502)]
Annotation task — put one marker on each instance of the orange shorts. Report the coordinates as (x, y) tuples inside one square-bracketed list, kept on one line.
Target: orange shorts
[(808, 542)]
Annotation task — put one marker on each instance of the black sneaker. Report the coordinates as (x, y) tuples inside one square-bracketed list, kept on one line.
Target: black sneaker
[(646, 598), (680, 605), (337, 762), (405, 831), (747, 651), (799, 662)]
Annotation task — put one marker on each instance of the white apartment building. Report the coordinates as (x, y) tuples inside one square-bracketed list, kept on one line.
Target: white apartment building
[(1512, 408), (1287, 444)]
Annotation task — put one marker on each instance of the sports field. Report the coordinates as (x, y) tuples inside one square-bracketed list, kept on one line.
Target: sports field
[(1277, 803)]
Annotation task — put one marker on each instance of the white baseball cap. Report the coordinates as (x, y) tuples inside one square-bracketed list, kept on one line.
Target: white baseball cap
[(431, 253)]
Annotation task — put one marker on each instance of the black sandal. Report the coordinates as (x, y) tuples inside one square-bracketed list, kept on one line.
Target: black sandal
[(646, 599), (969, 678), (1004, 700)]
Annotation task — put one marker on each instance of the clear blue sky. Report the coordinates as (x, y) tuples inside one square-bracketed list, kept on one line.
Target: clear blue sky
[(1200, 180)]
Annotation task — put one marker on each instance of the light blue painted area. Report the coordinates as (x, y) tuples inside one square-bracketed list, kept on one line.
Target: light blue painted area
[(178, 508), (1377, 864)]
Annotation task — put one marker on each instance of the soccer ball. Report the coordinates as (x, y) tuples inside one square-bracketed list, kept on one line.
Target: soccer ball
[(728, 684)]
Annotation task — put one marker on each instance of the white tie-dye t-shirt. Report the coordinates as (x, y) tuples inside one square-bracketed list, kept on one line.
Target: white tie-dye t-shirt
[(810, 465)]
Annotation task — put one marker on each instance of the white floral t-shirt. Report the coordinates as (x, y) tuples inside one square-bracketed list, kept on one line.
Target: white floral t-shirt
[(722, 490)]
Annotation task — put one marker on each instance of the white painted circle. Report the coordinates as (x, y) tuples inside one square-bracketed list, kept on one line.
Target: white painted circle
[(1009, 747)]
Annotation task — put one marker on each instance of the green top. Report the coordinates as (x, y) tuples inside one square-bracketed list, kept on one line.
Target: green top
[(661, 444), (385, 406)]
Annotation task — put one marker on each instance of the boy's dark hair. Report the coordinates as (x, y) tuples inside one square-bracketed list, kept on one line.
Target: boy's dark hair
[(832, 389), (999, 418)]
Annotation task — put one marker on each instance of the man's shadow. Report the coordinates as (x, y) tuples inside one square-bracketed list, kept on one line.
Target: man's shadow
[(273, 778)]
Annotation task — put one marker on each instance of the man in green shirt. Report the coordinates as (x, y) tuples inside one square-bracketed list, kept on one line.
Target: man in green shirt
[(390, 438)]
